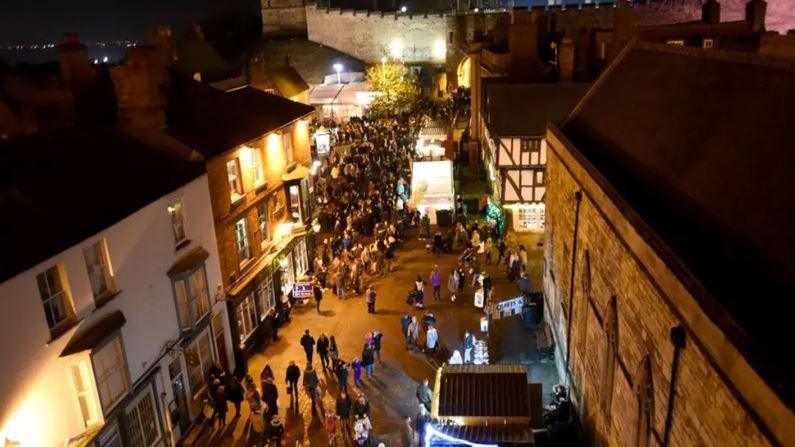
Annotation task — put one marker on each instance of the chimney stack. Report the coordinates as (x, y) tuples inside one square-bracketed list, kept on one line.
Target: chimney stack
[(141, 88), (162, 39), (755, 14), (73, 59), (566, 59), (710, 12), (523, 45), (258, 78)]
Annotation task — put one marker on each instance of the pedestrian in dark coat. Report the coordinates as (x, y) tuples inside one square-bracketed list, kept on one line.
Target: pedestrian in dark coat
[(270, 395), (234, 394), (311, 384), (309, 345), (377, 336), (322, 350), (291, 379), (343, 410), (342, 375), (318, 292), (219, 405), (368, 360)]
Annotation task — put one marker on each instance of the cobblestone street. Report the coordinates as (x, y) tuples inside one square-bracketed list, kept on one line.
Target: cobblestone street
[(392, 391)]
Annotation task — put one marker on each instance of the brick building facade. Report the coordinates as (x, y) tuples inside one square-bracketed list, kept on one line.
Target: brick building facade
[(640, 286)]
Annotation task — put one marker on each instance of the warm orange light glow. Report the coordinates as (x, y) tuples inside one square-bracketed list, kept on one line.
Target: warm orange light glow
[(275, 162), (464, 73)]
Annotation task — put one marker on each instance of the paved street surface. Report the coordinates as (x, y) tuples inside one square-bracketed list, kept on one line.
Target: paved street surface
[(392, 391)]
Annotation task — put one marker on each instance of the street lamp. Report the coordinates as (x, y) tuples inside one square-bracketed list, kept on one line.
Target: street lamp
[(403, 9), (338, 69)]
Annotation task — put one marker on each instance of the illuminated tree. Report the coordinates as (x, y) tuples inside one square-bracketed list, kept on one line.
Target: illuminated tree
[(399, 89)]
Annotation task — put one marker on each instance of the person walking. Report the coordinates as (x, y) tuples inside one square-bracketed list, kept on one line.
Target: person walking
[(431, 340), (234, 394), (330, 424), (291, 379), (334, 352), (377, 336), (419, 291), (469, 345), (420, 423), (356, 365), (322, 350), (452, 284), (369, 295), (523, 257), (270, 395), (407, 433), (252, 396), (500, 250), (487, 249), (342, 375), (361, 430), (311, 383), (368, 359), (436, 282), (405, 322), (309, 345), (361, 407), (343, 410), (414, 333), (425, 394), (220, 406), (267, 373), (318, 292), (276, 431)]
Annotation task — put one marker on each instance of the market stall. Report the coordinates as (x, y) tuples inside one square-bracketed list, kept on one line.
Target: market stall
[(432, 187)]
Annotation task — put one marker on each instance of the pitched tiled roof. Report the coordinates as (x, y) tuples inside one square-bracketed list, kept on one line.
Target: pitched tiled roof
[(287, 81), (524, 109), (698, 143), (212, 121), (484, 390)]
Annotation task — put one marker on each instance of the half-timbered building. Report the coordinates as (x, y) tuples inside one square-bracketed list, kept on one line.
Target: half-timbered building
[(513, 125)]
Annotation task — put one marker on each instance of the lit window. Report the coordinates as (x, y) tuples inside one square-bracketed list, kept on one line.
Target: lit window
[(142, 420), (708, 43), (192, 296), (266, 297), (287, 144), (262, 223), (199, 298), (603, 50), (85, 398), (99, 271), (241, 235), (257, 167), (246, 318), (177, 222), (55, 296), (676, 42), (110, 370), (235, 182), (199, 358), (301, 260)]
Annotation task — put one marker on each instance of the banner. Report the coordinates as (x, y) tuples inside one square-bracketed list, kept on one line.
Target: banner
[(506, 308), (302, 290)]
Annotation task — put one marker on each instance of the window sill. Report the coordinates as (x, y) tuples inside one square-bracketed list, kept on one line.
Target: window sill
[(182, 244), (103, 300), (260, 188), (237, 202), (62, 328)]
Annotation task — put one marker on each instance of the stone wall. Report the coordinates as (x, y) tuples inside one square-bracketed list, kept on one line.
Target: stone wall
[(371, 36), (283, 17), (708, 410)]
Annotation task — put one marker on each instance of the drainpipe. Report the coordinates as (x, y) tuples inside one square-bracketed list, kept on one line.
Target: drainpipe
[(578, 198), (678, 339)]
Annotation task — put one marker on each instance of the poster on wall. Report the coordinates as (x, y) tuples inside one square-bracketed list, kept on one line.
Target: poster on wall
[(506, 308), (479, 298)]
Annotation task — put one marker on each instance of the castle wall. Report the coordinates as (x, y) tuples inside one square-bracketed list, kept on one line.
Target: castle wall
[(281, 17)]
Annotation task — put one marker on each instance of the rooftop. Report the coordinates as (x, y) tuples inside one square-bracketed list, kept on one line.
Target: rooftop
[(524, 109), (697, 143), (484, 391), (61, 186), (311, 60)]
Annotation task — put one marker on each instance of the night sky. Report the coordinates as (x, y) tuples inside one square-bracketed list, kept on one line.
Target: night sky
[(28, 21)]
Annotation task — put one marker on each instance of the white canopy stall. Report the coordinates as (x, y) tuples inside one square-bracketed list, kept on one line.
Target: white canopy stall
[(432, 187), (341, 101)]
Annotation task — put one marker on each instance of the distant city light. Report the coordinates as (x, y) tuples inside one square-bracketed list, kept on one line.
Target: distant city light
[(105, 60)]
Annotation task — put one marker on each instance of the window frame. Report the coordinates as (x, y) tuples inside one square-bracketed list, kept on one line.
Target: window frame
[(265, 304), (177, 209), (121, 356), (64, 295), (236, 191), (258, 167), (246, 318), (708, 43), (242, 224), (134, 406), (105, 269), (86, 394), (185, 301), (196, 388), (263, 223), (287, 146)]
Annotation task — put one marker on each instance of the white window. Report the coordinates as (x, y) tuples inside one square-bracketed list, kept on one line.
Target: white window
[(85, 397), (177, 222), (295, 203), (142, 420), (199, 298), (110, 371), (246, 317), (708, 43), (257, 167), (199, 358), (241, 235), (287, 144), (301, 261), (288, 273), (262, 223), (676, 42), (266, 297), (235, 182), (55, 296), (181, 290), (100, 272)]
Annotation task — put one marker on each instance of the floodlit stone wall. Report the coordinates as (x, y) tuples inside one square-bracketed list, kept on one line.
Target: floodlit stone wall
[(281, 17), (714, 406), (369, 36)]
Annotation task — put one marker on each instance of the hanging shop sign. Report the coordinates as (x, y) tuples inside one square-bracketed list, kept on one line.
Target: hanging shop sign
[(302, 290), (506, 308)]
